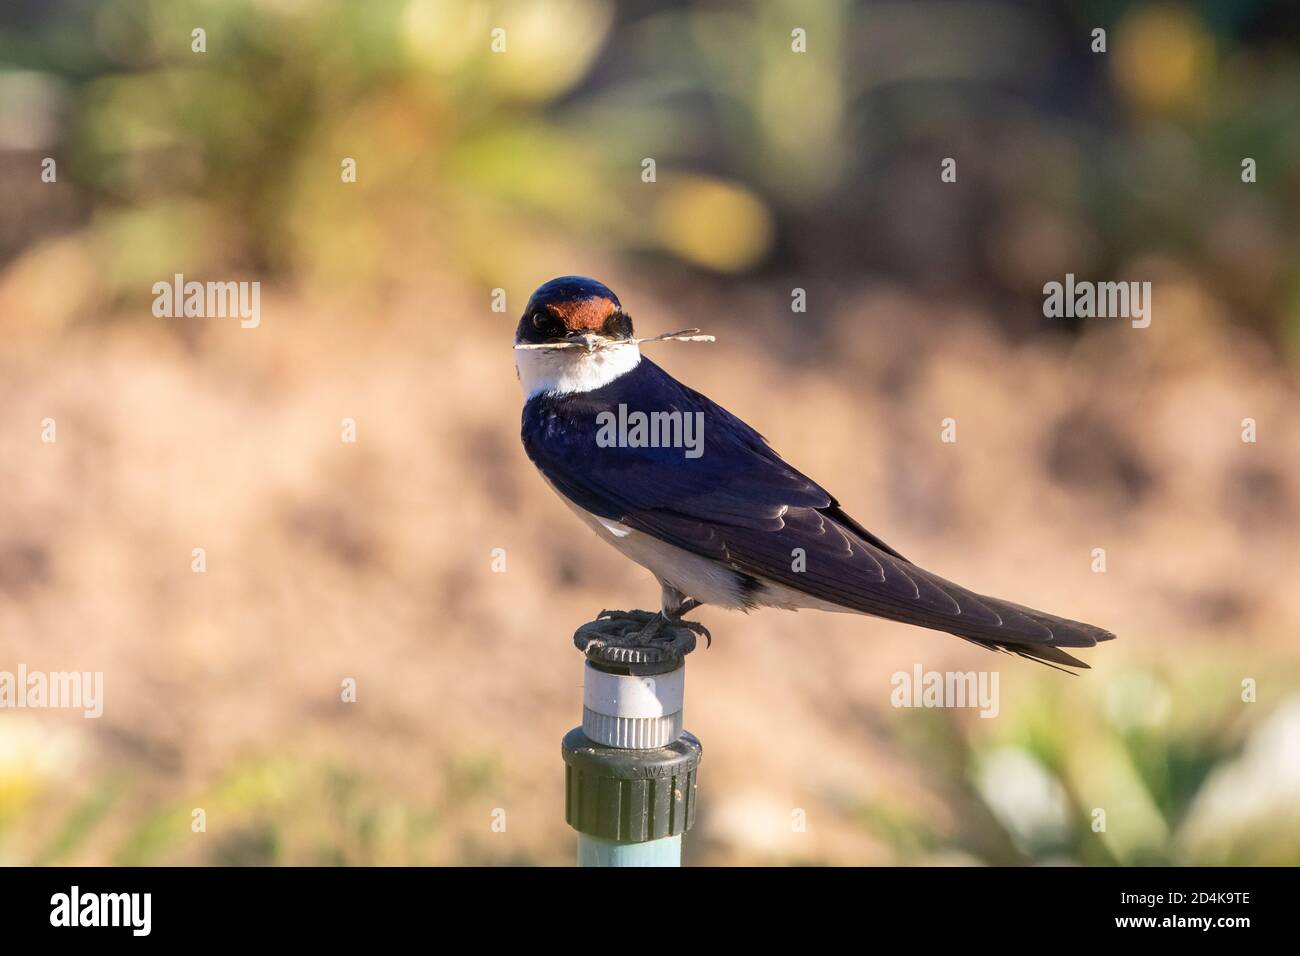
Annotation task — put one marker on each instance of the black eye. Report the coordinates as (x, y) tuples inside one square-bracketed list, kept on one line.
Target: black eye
[(618, 326), (540, 320)]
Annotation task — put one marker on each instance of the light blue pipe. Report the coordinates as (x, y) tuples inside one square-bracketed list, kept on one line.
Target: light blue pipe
[(593, 851)]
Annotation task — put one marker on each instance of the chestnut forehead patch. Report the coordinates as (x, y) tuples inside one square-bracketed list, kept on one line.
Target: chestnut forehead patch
[(584, 315)]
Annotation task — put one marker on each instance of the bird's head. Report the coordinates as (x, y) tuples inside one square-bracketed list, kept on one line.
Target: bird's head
[(575, 337), (577, 310)]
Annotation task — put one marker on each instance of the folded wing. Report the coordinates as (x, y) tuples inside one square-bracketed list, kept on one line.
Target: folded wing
[(740, 504)]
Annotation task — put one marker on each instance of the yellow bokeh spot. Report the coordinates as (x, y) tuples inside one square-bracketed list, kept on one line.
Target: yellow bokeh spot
[(445, 37), (1163, 57), (527, 50), (711, 223), (551, 44)]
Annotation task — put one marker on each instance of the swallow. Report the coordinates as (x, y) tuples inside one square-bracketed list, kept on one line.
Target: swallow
[(724, 522)]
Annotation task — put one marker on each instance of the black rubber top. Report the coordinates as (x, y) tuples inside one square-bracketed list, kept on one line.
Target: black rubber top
[(619, 642)]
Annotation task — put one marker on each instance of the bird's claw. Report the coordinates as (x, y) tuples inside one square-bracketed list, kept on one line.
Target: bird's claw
[(699, 629)]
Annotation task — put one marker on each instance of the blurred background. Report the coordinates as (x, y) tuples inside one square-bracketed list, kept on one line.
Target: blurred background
[(775, 170)]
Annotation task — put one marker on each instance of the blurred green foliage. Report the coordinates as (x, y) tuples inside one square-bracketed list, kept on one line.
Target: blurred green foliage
[(768, 160), (1145, 768)]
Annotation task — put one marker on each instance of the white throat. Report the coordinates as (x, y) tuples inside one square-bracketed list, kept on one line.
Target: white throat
[(564, 371)]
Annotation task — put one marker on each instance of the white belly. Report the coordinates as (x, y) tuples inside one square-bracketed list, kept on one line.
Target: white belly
[(707, 581)]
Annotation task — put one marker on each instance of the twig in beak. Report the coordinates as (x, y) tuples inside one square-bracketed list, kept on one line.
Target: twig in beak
[(685, 335), (593, 343)]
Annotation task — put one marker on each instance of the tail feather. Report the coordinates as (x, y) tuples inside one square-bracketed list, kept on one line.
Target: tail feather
[(912, 594), (1065, 633)]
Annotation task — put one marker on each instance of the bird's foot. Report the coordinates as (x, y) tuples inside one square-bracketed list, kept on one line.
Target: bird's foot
[(653, 630), (675, 618), (623, 625), (654, 626), (699, 629)]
